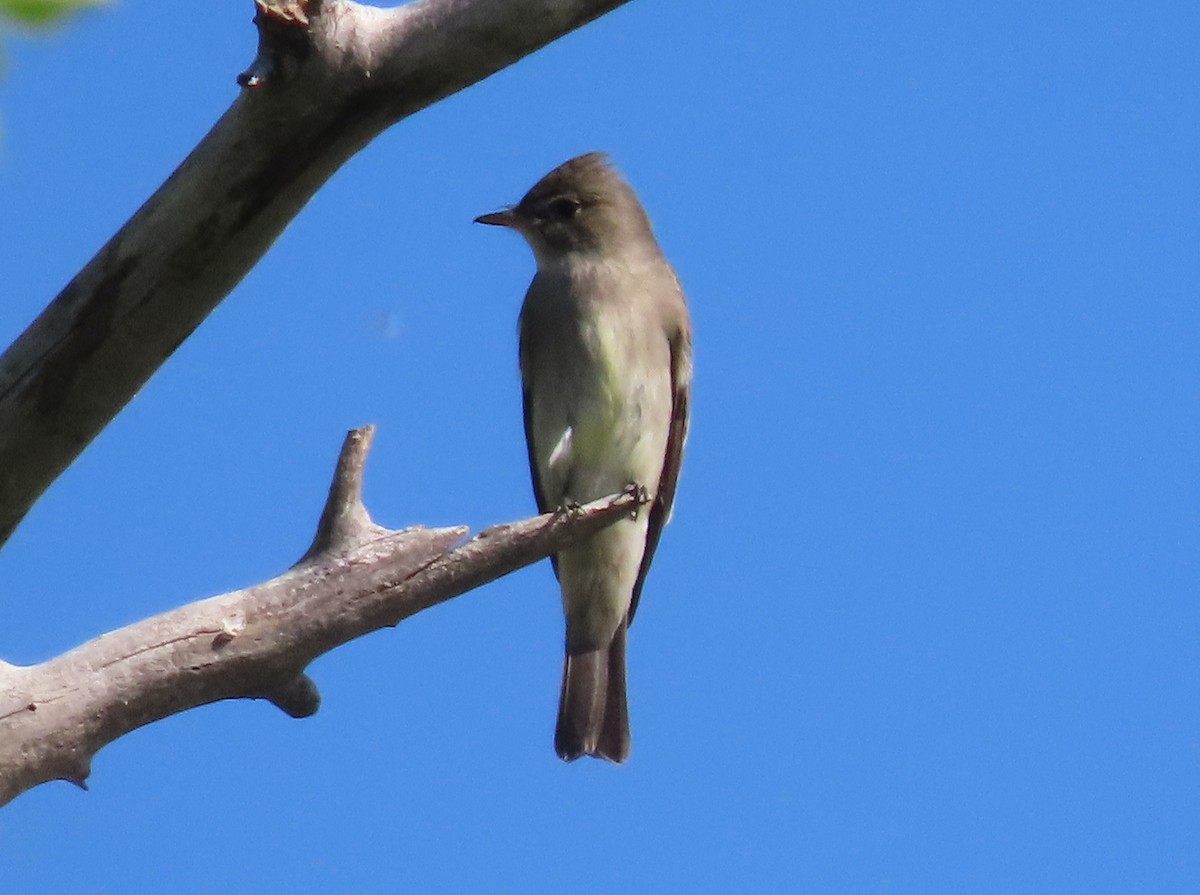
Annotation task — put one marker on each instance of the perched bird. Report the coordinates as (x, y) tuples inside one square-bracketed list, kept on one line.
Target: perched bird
[(606, 371)]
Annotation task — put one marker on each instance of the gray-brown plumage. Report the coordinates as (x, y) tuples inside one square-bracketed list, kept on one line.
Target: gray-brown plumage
[(606, 368)]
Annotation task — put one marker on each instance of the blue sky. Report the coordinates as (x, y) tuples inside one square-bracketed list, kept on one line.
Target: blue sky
[(926, 618)]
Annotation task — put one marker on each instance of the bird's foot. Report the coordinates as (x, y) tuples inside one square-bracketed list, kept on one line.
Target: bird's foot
[(568, 507), (639, 493)]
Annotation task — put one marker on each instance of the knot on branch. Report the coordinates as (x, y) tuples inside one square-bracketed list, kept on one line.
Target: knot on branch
[(231, 627), (299, 697), (76, 771), (284, 40)]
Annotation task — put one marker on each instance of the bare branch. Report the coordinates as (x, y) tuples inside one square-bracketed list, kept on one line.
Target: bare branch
[(345, 521), (328, 77), (257, 642)]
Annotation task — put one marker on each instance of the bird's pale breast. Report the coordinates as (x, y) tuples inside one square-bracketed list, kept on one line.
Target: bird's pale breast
[(602, 393)]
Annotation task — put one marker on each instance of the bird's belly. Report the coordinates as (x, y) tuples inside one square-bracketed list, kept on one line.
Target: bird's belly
[(610, 430), (613, 448)]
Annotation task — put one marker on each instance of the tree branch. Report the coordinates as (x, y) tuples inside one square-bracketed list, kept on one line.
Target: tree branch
[(356, 577), (328, 77)]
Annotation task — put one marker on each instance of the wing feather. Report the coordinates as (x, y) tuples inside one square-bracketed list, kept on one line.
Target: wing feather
[(660, 509), (544, 504)]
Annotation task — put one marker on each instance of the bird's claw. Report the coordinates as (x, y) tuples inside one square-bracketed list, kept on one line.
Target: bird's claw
[(639, 493), (568, 507)]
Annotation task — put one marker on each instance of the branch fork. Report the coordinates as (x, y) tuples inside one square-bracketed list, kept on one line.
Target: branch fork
[(356, 577)]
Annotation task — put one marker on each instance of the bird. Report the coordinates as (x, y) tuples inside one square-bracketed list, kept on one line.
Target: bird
[(605, 357)]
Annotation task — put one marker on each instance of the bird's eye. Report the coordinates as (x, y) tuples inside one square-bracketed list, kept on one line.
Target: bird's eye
[(563, 208)]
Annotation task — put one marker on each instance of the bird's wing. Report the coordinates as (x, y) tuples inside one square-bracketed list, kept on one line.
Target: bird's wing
[(660, 510), (544, 504)]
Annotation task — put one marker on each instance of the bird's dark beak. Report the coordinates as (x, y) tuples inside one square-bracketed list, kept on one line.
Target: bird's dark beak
[(505, 217)]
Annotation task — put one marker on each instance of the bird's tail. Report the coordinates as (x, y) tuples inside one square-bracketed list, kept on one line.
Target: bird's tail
[(593, 717)]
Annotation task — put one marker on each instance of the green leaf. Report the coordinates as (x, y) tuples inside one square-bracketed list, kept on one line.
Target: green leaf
[(42, 12)]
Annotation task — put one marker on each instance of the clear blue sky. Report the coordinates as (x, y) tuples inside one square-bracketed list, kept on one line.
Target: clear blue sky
[(926, 619)]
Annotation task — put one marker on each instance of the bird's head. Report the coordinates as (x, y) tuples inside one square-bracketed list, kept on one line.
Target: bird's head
[(582, 206)]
